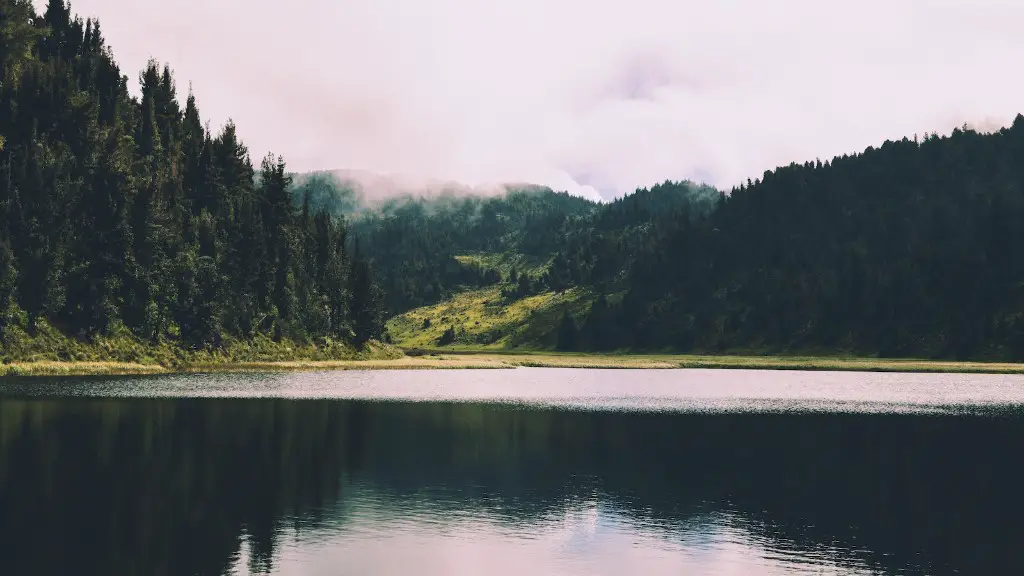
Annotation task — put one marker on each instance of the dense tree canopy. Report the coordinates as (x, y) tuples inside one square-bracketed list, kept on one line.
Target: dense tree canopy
[(909, 249), (127, 211)]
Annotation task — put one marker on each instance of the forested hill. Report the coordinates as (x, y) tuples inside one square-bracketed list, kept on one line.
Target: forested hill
[(910, 249), (415, 238), (124, 213)]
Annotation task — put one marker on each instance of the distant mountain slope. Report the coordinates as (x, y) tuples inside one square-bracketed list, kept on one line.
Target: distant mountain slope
[(413, 235)]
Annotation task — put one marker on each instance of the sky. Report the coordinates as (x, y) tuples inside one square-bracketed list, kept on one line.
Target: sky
[(597, 97)]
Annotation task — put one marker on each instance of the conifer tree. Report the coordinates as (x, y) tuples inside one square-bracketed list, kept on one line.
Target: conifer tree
[(8, 277), (367, 312), (567, 333)]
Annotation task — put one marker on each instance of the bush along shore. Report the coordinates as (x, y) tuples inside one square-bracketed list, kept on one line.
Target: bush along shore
[(50, 353)]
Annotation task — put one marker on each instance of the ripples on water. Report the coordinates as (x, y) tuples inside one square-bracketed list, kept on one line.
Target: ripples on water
[(529, 471)]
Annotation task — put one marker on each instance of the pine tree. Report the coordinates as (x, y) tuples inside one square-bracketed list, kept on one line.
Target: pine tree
[(367, 312), (447, 337), (18, 36), (32, 227), (8, 278), (567, 333), (336, 285), (279, 218)]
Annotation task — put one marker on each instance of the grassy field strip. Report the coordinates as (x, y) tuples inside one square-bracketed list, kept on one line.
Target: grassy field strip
[(54, 368), (467, 359), (483, 319), (407, 363), (662, 361), (51, 368)]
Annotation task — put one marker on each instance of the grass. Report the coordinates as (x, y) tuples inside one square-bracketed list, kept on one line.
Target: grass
[(84, 368), (504, 262), (430, 362), (523, 333), (491, 334), (489, 359), (668, 361), (88, 368), (484, 320), (50, 352)]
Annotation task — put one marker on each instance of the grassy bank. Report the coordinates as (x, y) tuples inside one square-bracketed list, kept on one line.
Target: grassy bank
[(670, 361), (51, 368), (48, 352), (465, 359)]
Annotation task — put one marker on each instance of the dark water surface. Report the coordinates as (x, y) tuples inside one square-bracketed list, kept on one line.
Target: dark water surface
[(496, 472)]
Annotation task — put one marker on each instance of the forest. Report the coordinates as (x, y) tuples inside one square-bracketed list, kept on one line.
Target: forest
[(414, 240), (123, 213), (127, 213), (908, 249)]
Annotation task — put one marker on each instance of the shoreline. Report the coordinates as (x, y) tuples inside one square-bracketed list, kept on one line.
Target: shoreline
[(485, 359)]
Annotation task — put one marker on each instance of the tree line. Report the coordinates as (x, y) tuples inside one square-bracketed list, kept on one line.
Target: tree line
[(912, 248), (129, 212)]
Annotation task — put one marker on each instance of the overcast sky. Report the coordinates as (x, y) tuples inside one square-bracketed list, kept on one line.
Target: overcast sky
[(585, 95)]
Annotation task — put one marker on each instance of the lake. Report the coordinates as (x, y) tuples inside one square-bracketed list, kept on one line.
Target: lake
[(513, 472)]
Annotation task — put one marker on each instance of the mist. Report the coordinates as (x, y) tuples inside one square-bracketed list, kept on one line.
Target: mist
[(593, 97), (354, 191)]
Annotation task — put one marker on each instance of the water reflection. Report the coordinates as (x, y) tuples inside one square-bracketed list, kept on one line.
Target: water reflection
[(215, 486)]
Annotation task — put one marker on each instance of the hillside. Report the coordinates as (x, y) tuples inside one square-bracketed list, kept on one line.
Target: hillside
[(483, 319), (419, 240), (905, 250), (908, 249)]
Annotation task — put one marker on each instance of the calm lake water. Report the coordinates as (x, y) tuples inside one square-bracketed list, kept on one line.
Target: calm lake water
[(513, 472)]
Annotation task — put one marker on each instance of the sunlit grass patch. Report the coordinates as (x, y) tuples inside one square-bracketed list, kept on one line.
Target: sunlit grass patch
[(483, 319), (544, 359), (505, 262), (52, 368)]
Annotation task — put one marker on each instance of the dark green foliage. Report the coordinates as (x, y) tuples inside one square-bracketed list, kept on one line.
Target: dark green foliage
[(568, 333), (322, 191), (447, 337), (122, 211), (599, 330), (366, 305), (412, 242), (601, 250), (8, 277), (910, 249)]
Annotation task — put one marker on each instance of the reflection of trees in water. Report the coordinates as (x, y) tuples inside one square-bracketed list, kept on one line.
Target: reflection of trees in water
[(168, 486), (157, 487)]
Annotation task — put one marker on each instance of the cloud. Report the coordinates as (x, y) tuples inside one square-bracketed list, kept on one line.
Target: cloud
[(592, 96)]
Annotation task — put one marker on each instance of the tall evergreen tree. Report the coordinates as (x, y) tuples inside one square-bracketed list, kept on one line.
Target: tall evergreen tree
[(366, 305), (8, 277), (568, 333)]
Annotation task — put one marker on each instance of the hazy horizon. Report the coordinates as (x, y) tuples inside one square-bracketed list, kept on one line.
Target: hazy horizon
[(594, 98)]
